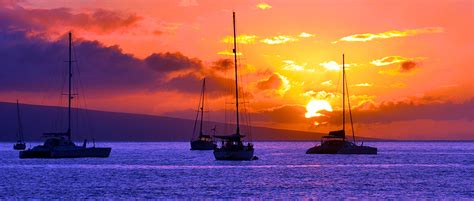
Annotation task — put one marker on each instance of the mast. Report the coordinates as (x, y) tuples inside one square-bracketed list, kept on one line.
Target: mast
[(236, 78), (20, 126), (343, 96), (69, 91), (202, 106)]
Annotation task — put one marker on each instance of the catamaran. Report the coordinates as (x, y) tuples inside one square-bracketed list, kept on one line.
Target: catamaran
[(20, 143), (203, 141), (60, 145), (335, 142), (232, 146)]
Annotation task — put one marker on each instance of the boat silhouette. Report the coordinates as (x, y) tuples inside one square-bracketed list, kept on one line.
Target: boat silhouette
[(60, 145), (203, 141), (335, 142), (20, 143), (232, 146)]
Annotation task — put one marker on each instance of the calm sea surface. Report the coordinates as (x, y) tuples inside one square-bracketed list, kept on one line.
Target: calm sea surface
[(441, 170)]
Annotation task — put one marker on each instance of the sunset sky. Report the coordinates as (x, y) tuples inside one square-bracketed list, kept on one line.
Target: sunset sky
[(409, 63)]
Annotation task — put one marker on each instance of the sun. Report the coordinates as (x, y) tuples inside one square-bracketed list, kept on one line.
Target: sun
[(315, 106)]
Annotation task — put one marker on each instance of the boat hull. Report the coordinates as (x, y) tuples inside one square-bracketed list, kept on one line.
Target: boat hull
[(71, 153), (234, 155), (202, 145), (19, 146), (346, 148)]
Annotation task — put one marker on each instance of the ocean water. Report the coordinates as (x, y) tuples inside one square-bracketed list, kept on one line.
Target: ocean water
[(169, 170)]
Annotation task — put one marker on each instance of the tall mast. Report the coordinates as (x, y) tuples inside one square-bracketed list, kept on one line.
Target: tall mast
[(20, 126), (69, 91), (202, 106), (236, 78), (343, 95)]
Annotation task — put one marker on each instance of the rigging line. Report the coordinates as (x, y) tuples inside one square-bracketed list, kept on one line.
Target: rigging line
[(82, 91), (20, 126), (197, 115), (350, 112)]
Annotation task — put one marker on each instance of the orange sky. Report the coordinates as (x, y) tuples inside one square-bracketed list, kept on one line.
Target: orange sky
[(408, 54)]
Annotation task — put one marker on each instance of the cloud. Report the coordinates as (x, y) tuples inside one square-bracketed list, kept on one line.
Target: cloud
[(334, 66), (168, 62), (222, 65), (241, 39), (363, 85), (280, 39), (390, 34), (415, 109), (291, 65), (406, 64), (389, 60), (305, 35), (99, 20), (228, 53), (34, 64), (264, 6), (327, 83), (276, 82)]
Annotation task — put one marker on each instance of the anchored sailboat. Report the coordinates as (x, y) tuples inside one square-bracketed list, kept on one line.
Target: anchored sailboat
[(20, 143), (60, 145), (335, 142), (203, 141), (232, 146)]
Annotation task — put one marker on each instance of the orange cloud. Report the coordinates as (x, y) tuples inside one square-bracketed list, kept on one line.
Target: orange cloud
[(390, 34), (389, 60), (406, 64), (228, 53), (241, 39), (277, 82)]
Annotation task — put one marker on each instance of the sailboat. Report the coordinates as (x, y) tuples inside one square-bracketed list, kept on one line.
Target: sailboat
[(232, 146), (335, 142), (203, 142), (20, 143), (60, 145)]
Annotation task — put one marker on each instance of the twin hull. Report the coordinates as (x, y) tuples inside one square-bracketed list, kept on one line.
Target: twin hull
[(202, 145), (342, 150), (66, 153), (237, 155)]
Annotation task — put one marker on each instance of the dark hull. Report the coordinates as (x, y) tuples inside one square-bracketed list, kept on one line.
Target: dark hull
[(75, 153), (342, 150), (19, 146), (202, 145), (234, 155)]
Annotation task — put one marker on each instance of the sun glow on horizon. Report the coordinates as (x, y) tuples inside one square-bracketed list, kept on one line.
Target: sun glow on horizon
[(314, 107)]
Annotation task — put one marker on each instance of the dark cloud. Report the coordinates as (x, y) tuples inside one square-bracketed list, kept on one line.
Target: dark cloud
[(15, 17), (168, 62), (282, 114), (273, 82), (407, 66), (410, 110), (385, 113), (222, 65), (35, 64)]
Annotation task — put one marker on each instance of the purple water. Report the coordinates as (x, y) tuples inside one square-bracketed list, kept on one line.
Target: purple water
[(422, 170)]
